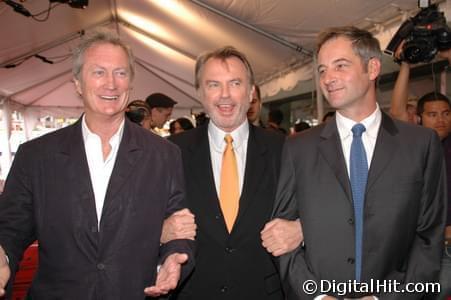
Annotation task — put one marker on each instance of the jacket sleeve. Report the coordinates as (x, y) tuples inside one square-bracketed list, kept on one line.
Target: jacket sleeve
[(175, 203), (426, 252), (17, 230), (294, 271)]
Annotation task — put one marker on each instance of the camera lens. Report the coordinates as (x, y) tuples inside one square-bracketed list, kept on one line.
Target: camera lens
[(443, 39), (419, 50)]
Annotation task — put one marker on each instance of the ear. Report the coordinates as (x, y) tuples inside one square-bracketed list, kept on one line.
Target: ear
[(374, 68), (77, 86)]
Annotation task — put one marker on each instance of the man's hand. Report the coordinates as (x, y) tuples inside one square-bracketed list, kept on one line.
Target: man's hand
[(168, 276), (180, 225), (282, 236), (5, 272)]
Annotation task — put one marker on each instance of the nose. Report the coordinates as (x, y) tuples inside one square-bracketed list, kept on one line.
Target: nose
[(110, 82), (327, 77), (225, 91)]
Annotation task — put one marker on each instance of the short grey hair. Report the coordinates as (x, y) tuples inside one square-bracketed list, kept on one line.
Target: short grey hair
[(100, 36), (222, 54), (364, 44)]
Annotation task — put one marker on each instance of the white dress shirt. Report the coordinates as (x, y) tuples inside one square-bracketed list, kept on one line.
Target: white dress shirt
[(369, 136), (217, 146), (99, 169)]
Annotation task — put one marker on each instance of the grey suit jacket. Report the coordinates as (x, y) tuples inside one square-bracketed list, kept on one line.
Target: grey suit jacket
[(48, 196), (232, 266), (403, 213)]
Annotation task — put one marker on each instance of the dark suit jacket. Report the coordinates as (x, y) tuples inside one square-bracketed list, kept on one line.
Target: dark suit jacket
[(231, 266), (403, 212), (48, 196)]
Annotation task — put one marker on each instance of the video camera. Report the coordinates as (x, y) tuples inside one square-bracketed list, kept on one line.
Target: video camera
[(424, 34), (73, 3)]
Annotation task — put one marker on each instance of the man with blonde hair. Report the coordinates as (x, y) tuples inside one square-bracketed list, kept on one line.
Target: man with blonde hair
[(95, 194)]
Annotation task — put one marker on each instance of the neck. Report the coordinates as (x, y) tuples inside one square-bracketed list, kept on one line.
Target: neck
[(105, 128), (360, 113)]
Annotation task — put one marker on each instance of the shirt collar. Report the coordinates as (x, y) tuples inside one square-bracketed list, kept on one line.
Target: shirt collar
[(88, 134), (371, 123), (240, 135)]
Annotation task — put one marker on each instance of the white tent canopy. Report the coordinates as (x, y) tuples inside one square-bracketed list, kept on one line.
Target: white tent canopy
[(278, 36), (167, 36)]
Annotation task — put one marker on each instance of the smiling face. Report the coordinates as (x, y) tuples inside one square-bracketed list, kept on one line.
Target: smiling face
[(225, 92), (104, 82), (345, 81)]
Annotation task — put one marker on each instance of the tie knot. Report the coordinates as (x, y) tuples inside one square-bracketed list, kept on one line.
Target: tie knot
[(228, 139), (358, 129)]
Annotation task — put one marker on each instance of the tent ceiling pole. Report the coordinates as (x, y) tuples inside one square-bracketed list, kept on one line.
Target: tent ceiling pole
[(142, 61), (40, 82), (52, 44), (169, 83), (114, 14), (143, 32), (271, 36)]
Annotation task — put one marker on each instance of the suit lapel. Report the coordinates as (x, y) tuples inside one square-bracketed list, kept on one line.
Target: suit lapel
[(255, 165), (386, 146), (127, 156), (331, 149), (73, 151), (200, 166), (73, 157)]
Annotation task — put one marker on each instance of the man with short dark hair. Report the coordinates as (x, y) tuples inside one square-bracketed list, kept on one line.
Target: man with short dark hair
[(433, 110), (253, 114), (161, 107), (368, 190), (275, 118)]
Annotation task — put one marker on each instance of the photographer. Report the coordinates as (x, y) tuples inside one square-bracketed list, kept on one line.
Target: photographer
[(433, 112), (399, 107)]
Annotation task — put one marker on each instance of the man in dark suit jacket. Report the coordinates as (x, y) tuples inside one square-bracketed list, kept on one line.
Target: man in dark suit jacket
[(404, 197), (95, 194), (231, 262)]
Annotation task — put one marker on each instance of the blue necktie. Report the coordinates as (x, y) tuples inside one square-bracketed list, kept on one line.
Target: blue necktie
[(359, 175)]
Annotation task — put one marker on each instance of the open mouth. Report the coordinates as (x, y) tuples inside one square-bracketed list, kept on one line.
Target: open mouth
[(226, 108), (109, 98)]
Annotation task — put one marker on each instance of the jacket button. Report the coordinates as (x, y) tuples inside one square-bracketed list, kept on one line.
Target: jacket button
[(217, 217), (351, 221), (223, 289), (229, 250), (351, 260), (94, 229), (100, 266)]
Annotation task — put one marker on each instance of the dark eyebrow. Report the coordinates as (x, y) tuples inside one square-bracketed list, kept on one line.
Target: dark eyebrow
[(341, 60)]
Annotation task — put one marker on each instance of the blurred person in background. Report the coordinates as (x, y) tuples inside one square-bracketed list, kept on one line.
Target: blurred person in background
[(253, 114), (180, 125), (161, 107), (138, 112)]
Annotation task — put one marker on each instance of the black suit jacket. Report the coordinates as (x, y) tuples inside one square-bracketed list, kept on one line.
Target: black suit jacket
[(403, 212), (231, 266), (48, 196)]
